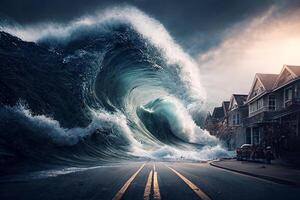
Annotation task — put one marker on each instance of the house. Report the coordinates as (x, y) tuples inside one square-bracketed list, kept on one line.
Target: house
[(217, 122), (274, 108), (260, 102), (286, 92), (225, 106), (268, 116), (214, 121), (237, 112)]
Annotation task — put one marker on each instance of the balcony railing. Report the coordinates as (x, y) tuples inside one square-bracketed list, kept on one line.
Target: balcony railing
[(260, 110), (260, 118), (287, 103)]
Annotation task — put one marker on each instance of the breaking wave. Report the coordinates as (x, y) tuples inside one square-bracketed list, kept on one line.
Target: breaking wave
[(135, 94)]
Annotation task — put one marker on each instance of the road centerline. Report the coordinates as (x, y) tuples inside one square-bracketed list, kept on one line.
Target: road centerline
[(152, 183), (147, 191), (197, 190), (156, 187), (121, 192)]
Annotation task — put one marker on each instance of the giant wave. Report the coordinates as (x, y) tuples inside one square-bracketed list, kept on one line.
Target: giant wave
[(117, 86)]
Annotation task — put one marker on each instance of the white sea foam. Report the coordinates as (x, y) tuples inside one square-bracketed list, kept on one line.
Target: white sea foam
[(49, 128), (46, 126), (173, 154)]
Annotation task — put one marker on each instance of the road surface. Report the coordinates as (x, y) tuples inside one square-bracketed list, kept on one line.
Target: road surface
[(147, 180)]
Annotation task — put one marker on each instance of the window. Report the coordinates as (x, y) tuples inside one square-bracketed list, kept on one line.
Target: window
[(253, 107), (272, 102), (288, 94), (235, 119), (255, 135), (257, 105), (250, 108)]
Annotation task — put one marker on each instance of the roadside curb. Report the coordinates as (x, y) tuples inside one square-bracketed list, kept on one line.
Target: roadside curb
[(269, 178)]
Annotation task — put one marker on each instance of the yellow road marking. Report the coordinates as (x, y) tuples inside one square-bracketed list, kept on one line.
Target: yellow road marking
[(156, 191), (156, 187), (197, 190), (148, 186), (121, 192)]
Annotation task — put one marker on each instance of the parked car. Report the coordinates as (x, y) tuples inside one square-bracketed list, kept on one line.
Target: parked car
[(244, 152), (254, 152)]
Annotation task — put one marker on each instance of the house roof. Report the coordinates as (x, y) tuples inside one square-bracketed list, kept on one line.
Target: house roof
[(291, 69), (264, 81), (295, 69), (218, 113), (267, 80), (271, 82), (240, 98), (208, 117), (225, 105)]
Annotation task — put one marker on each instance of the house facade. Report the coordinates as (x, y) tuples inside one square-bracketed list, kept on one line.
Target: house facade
[(260, 103), (286, 90), (237, 112), (269, 115), (214, 122)]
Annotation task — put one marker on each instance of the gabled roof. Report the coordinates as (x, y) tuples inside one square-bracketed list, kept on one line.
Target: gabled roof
[(218, 113), (267, 80), (263, 81), (225, 105), (294, 72), (237, 100), (240, 98), (294, 68)]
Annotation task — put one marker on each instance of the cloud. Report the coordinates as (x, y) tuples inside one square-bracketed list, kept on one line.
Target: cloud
[(260, 45)]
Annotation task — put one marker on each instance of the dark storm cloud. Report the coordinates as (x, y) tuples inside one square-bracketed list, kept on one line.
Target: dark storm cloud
[(195, 24)]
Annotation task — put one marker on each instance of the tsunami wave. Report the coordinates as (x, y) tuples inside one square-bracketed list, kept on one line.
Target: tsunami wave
[(119, 88)]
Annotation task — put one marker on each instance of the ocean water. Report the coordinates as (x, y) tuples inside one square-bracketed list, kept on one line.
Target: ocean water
[(116, 86)]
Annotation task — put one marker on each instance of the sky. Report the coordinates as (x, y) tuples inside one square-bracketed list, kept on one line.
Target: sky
[(231, 40)]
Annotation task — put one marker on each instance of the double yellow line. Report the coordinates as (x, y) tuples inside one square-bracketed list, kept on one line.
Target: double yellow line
[(152, 178), (152, 183)]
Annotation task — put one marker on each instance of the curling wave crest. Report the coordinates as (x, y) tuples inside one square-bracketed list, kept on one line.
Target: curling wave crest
[(121, 88)]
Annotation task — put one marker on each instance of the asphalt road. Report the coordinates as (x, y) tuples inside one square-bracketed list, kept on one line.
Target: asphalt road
[(149, 180)]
